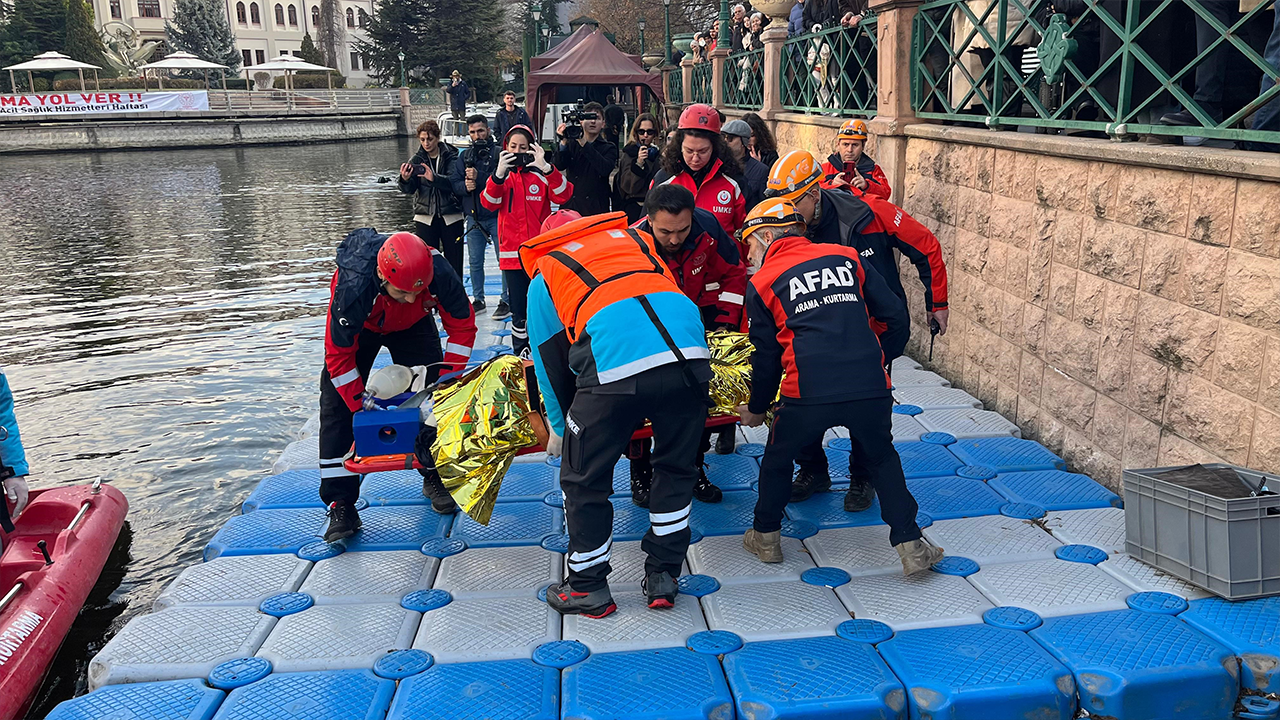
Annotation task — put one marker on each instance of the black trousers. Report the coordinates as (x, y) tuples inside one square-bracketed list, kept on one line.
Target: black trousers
[(871, 432), (598, 427), (418, 345), (518, 301), (445, 238)]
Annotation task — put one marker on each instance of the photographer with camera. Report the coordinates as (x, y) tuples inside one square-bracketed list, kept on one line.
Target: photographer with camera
[(470, 173), (641, 159), (437, 215), (586, 158), (521, 190)]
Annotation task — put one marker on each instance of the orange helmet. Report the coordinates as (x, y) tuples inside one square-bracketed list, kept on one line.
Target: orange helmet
[(774, 212), (792, 175), (700, 117), (405, 262), (853, 130), (558, 218)]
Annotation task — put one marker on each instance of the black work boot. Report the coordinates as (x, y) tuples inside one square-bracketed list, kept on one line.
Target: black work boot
[(660, 590), (704, 489), (808, 482), (433, 489), (859, 496), (725, 442), (344, 522), (641, 482), (595, 604)]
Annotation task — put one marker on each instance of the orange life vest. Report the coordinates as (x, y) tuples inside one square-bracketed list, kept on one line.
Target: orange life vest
[(593, 262)]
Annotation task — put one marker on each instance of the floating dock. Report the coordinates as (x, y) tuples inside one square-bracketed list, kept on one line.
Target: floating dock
[(1036, 612)]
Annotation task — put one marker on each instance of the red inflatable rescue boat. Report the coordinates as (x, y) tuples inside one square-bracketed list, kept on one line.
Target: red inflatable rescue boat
[(47, 568)]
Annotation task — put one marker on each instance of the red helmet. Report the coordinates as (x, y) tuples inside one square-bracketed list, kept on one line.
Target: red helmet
[(558, 218), (700, 117), (405, 262)]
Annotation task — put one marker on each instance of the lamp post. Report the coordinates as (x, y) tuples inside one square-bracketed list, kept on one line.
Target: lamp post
[(401, 56), (642, 24), (535, 11), (724, 40), (666, 14), (546, 37)]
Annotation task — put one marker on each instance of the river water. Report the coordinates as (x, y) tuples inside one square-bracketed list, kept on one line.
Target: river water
[(161, 324)]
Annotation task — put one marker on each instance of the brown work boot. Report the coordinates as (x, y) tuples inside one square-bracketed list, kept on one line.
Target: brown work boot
[(766, 546), (917, 556)]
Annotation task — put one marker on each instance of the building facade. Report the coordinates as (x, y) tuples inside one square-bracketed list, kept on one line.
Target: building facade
[(263, 28)]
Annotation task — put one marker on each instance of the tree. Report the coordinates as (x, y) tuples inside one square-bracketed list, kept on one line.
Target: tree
[(201, 28), (41, 24), (437, 37), (83, 42), (330, 33), (309, 52)]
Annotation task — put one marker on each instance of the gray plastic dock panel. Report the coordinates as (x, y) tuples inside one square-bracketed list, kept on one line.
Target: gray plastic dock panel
[(856, 550), (926, 599), (370, 577), (774, 610), (635, 626), (472, 629), (723, 558), (499, 571), (968, 423), (338, 637), (234, 580), (992, 538), (1102, 528), (1051, 587)]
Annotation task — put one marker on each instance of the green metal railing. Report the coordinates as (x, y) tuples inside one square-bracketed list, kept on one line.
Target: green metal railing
[(675, 86), (744, 80), (1118, 68), (701, 90), (832, 71), (427, 96)]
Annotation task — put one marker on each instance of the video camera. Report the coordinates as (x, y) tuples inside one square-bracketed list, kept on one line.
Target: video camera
[(573, 121), (480, 152)]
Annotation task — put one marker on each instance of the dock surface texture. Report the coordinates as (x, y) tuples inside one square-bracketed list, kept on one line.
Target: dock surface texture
[(1035, 613)]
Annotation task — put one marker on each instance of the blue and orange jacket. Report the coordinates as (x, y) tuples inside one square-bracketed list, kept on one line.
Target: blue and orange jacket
[(877, 182), (811, 308), (603, 308), (12, 455), (876, 228), (357, 302), (709, 269)]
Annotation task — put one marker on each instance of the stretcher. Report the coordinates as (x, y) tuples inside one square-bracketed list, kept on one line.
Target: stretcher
[(387, 463)]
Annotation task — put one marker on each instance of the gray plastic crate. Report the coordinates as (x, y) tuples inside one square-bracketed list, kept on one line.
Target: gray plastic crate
[(1228, 547)]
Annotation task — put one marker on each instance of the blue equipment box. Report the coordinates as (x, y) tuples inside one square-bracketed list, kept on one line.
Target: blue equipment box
[(386, 432)]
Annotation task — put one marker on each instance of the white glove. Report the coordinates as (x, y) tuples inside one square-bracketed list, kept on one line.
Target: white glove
[(540, 159), (555, 444), (505, 161), (15, 491)]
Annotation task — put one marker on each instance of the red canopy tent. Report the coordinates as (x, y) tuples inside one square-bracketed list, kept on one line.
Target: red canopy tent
[(593, 61), (538, 62)]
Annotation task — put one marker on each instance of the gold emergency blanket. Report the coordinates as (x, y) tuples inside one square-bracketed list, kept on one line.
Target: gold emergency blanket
[(731, 365), (481, 422)]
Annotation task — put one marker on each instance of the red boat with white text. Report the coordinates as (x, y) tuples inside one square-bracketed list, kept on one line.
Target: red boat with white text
[(47, 567)]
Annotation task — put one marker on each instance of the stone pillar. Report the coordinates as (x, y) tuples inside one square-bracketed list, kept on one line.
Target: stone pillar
[(893, 96), (686, 78), (406, 112), (718, 57), (773, 36)]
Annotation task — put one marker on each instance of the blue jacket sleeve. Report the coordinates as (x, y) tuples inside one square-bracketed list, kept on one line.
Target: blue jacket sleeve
[(550, 346), (11, 453)]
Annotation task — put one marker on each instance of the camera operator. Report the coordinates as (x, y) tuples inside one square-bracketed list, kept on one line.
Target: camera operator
[(470, 173), (437, 216), (521, 189), (587, 159), (641, 159)]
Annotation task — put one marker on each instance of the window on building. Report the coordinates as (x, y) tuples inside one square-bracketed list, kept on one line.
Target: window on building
[(254, 15), (248, 57), (364, 17), (279, 15), (261, 55), (149, 8), (351, 18), (115, 9), (355, 61), (315, 16), (293, 15), (241, 16)]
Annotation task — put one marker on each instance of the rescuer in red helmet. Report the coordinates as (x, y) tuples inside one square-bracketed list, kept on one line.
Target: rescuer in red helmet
[(698, 159), (383, 294)]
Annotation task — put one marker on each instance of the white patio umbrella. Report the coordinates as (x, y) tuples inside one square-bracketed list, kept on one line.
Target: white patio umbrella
[(52, 62), (183, 61), (290, 64)]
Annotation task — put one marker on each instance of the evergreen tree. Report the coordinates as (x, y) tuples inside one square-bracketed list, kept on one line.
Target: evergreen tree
[(437, 37), (39, 24), (83, 42), (309, 52), (200, 27)]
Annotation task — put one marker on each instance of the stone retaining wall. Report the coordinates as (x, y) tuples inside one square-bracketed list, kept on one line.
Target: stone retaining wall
[(1119, 302), (190, 133)]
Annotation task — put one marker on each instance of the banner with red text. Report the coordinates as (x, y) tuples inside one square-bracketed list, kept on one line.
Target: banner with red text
[(103, 102)]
